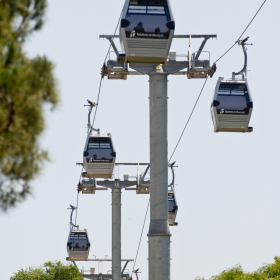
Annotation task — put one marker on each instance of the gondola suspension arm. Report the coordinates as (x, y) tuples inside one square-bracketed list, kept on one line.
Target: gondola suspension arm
[(244, 69), (73, 208), (173, 174), (89, 126)]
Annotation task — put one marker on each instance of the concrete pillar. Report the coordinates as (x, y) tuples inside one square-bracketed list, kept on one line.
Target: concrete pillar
[(116, 233), (159, 234)]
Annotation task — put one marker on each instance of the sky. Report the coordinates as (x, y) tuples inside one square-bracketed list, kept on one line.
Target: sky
[(227, 184)]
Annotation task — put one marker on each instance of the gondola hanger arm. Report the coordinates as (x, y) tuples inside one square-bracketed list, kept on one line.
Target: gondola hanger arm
[(172, 165), (96, 129), (73, 208), (244, 69), (91, 105)]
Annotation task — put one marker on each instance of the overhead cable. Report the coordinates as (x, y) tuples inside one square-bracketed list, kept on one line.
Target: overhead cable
[(78, 198), (97, 102), (77, 208), (242, 33), (188, 119), (141, 236)]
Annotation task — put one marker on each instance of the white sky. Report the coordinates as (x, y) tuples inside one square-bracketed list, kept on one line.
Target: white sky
[(227, 184)]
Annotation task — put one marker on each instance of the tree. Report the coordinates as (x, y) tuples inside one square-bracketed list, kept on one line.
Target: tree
[(268, 271), (26, 87), (50, 271)]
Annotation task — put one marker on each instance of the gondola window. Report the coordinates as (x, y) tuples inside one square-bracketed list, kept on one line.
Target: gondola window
[(99, 150), (171, 205), (78, 242), (147, 22), (232, 97)]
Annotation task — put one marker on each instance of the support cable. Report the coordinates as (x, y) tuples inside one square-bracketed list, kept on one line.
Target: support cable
[(207, 78), (242, 33), (77, 208), (103, 64), (141, 237), (188, 120), (78, 197)]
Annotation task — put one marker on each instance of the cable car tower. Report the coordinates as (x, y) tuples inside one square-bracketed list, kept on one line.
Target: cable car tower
[(146, 32)]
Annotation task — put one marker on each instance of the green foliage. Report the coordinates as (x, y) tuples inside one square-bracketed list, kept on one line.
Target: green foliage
[(26, 85), (268, 271), (50, 271)]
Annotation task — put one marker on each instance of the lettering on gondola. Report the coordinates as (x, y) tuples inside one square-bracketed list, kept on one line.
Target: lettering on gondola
[(232, 112), (147, 35), (92, 160), (79, 249)]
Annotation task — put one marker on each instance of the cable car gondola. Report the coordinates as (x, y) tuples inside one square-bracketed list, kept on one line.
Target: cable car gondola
[(78, 244), (232, 104), (146, 31), (172, 202), (99, 156), (172, 208), (99, 153)]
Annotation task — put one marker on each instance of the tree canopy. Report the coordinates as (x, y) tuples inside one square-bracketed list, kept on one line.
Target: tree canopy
[(268, 271), (26, 85), (50, 271)]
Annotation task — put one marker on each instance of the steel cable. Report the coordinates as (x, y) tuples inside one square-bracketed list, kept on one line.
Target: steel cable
[(188, 120), (104, 63), (141, 237), (78, 197), (242, 33)]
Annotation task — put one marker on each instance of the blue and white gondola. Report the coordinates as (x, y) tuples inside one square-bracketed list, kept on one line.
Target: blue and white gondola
[(78, 245), (172, 207), (172, 202), (99, 156), (232, 106), (146, 31)]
